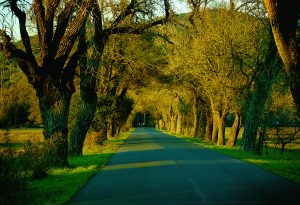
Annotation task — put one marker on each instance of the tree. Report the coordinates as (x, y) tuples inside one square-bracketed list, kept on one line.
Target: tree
[(267, 69), (284, 20), (51, 73), (125, 18)]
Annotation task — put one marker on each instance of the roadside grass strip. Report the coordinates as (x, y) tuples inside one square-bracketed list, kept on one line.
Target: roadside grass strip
[(63, 183), (286, 165)]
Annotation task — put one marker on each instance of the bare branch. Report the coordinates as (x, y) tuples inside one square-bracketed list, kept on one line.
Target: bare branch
[(63, 20), (23, 59), (39, 12), (126, 12), (24, 34), (71, 33)]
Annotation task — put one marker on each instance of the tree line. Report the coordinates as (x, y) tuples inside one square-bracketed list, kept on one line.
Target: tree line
[(92, 57)]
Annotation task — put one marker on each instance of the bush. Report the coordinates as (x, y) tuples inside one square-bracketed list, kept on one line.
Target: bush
[(13, 175), (37, 158)]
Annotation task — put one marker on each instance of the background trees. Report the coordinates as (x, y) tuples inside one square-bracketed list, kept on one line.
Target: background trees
[(51, 69), (193, 73)]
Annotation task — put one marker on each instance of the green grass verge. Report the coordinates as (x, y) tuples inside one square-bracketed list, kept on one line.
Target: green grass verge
[(286, 165), (63, 183)]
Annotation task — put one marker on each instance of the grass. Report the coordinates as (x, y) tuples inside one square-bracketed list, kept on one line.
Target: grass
[(286, 165), (63, 183), (22, 135)]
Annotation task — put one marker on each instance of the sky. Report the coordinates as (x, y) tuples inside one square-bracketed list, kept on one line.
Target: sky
[(179, 6)]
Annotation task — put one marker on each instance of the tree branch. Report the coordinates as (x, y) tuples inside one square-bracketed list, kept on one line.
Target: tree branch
[(44, 19), (63, 20), (69, 70), (39, 12), (23, 31), (71, 33), (138, 29), (100, 36), (23, 60), (126, 12)]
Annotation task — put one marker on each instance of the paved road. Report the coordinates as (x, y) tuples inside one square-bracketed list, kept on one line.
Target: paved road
[(154, 168)]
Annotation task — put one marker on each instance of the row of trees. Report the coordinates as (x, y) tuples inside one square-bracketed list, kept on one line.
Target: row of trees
[(222, 63), (61, 27), (214, 61)]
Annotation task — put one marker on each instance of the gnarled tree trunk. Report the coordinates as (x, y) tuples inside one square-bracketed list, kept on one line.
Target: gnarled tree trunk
[(54, 105), (88, 103)]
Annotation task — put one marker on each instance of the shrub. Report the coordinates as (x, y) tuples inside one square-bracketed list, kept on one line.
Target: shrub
[(13, 175), (38, 159)]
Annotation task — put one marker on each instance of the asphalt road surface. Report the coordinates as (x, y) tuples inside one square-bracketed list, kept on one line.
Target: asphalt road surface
[(155, 168)]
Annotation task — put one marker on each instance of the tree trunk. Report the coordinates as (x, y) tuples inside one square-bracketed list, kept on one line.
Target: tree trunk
[(179, 124), (235, 129), (86, 113), (202, 124), (195, 129), (88, 102), (209, 125), (221, 127), (173, 123), (215, 126), (160, 124), (156, 124), (118, 130), (283, 17), (113, 128), (256, 104), (54, 105), (168, 122), (253, 114)]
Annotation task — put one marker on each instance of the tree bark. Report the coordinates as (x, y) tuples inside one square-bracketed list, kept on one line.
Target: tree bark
[(202, 124), (253, 114), (221, 127), (283, 17), (83, 121), (214, 137), (54, 105), (113, 127), (173, 123), (88, 103), (235, 129), (196, 120), (179, 124), (256, 104), (209, 125)]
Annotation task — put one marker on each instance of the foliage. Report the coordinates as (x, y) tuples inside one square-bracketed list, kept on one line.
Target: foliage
[(103, 112), (38, 158), (13, 174), (123, 110), (18, 103), (62, 183)]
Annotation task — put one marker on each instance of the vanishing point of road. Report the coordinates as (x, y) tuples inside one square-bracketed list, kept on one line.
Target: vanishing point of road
[(153, 168)]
